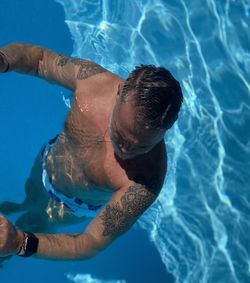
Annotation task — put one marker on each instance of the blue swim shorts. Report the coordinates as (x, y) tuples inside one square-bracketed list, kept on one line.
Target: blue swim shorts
[(75, 205)]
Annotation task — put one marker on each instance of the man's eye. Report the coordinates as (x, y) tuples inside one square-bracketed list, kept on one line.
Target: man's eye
[(127, 143), (124, 144), (120, 145), (115, 135)]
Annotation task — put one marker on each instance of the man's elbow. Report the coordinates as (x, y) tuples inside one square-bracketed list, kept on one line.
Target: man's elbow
[(88, 247)]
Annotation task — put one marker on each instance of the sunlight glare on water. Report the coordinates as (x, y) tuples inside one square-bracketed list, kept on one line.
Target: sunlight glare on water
[(200, 222)]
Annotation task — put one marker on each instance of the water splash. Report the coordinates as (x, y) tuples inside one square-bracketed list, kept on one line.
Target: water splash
[(87, 278)]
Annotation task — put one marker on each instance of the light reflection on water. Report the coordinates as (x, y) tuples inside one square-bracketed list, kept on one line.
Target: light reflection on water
[(199, 224)]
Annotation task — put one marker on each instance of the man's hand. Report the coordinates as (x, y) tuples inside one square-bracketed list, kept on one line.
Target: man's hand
[(3, 63), (10, 238)]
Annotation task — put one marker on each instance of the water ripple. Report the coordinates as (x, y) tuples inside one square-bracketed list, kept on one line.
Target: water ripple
[(199, 224)]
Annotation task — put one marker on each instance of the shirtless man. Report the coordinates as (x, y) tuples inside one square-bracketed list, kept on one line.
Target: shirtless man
[(108, 163)]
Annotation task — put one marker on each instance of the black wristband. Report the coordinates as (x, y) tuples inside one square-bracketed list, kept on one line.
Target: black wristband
[(29, 246)]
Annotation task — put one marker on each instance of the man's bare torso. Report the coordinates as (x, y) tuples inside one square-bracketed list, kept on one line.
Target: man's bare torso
[(82, 162)]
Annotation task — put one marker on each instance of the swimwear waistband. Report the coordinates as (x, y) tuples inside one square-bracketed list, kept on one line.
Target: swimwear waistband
[(74, 204)]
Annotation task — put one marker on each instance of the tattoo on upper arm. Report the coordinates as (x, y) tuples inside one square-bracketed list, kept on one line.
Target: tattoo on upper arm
[(117, 217), (86, 70)]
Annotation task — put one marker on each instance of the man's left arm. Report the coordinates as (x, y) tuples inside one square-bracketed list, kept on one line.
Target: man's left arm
[(118, 215)]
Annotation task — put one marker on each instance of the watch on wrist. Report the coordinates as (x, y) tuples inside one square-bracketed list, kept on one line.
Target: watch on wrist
[(29, 245)]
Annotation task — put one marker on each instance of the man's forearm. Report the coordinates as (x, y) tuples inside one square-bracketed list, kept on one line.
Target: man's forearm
[(47, 64), (39, 61), (23, 58), (66, 246)]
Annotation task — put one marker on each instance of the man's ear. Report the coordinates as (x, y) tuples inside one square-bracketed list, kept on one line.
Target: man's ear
[(165, 113), (119, 89)]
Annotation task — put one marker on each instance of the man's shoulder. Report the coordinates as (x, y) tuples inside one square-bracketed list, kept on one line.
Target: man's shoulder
[(103, 80), (150, 171), (156, 160)]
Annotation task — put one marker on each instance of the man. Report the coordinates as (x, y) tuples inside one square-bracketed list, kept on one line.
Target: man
[(109, 163)]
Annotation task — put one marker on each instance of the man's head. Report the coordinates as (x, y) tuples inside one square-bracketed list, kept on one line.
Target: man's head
[(147, 105)]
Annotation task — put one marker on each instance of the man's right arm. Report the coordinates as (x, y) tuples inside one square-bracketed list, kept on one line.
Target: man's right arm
[(42, 62)]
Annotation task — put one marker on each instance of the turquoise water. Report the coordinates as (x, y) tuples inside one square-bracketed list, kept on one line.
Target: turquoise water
[(199, 226)]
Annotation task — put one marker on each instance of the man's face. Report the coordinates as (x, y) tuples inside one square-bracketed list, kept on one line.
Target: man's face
[(127, 138)]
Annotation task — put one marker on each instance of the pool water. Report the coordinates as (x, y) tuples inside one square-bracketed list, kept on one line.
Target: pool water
[(198, 229)]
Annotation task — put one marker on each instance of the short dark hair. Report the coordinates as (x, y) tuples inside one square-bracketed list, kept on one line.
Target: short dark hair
[(156, 94)]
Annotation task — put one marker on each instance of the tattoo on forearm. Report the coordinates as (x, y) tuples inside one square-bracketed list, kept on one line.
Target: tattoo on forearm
[(86, 70), (118, 217)]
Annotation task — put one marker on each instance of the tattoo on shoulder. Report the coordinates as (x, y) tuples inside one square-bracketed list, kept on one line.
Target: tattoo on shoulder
[(86, 70), (117, 218)]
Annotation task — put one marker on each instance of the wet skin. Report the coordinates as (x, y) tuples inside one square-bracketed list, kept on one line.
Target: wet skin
[(76, 163), (101, 157)]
